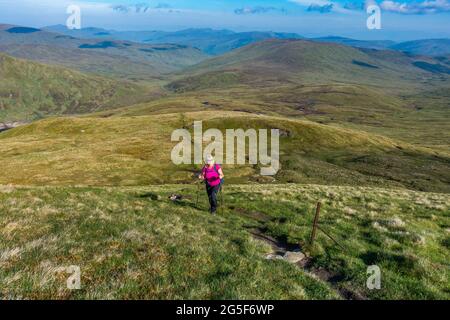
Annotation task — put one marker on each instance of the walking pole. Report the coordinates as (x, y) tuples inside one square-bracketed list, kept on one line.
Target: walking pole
[(198, 191), (221, 198)]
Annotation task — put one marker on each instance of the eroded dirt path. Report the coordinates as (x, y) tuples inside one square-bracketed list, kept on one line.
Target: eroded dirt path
[(294, 253)]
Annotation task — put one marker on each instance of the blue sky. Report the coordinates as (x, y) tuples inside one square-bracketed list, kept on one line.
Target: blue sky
[(401, 19)]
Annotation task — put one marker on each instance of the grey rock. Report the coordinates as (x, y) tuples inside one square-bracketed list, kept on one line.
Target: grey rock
[(294, 256)]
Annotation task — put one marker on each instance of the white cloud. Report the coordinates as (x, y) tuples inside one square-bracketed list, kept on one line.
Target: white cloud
[(425, 7), (258, 10), (326, 5)]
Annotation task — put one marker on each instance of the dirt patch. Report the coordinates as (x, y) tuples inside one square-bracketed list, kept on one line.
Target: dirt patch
[(255, 215), (210, 104), (283, 249), (10, 125), (280, 246)]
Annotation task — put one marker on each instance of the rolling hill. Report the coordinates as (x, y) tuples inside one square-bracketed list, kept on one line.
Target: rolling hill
[(30, 90), (368, 44), (123, 59), (381, 91), (429, 47), (305, 62), (136, 151)]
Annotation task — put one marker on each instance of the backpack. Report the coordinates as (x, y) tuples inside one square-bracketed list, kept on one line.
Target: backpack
[(217, 171)]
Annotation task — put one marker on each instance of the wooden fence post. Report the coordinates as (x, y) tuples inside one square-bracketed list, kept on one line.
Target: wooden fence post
[(316, 221)]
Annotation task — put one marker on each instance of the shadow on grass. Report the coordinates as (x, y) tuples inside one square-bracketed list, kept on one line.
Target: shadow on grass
[(186, 204)]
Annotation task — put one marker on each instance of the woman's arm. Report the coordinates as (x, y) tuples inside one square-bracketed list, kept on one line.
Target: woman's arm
[(221, 175), (201, 176)]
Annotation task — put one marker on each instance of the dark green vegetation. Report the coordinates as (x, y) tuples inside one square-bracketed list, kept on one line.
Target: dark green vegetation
[(134, 243), (122, 59), (22, 30), (30, 91), (432, 67)]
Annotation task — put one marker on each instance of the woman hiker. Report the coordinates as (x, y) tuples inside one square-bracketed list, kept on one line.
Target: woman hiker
[(212, 174)]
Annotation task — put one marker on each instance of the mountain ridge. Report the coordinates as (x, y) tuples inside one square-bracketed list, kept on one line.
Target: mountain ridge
[(216, 42), (111, 58)]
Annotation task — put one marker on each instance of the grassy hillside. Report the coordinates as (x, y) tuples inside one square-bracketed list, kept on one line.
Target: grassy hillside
[(272, 62), (30, 90), (131, 243), (136, 151), (123, 59)]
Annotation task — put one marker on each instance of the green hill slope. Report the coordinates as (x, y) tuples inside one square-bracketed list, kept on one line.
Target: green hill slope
[(429, 47), (30, 90), (136, 151), (272, 62)]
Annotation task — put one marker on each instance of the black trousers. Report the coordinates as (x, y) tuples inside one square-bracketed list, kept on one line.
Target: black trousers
[(212, 196)]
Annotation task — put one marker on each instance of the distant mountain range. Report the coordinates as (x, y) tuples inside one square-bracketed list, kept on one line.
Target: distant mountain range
[(114, 58), (216, 42), (210, 41)]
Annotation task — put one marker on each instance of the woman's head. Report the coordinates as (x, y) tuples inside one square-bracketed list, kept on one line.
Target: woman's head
[(209, 160)]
